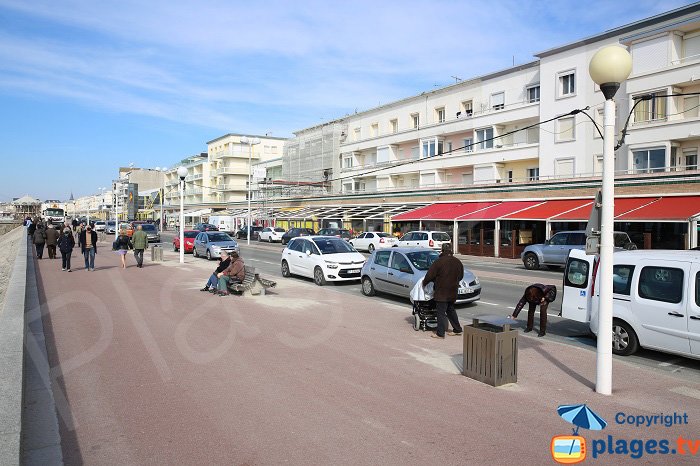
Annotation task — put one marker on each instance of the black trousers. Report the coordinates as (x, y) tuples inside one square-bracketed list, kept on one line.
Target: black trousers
[(65, 259), (138, 254), (446, 310), (543, 316), (39, 250), (52, 251)]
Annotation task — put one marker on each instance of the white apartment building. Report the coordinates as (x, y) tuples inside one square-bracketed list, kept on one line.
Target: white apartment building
[(495, 129), (197, 181)]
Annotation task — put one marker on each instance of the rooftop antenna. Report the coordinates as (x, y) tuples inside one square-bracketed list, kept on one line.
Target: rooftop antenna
[(457, 79)]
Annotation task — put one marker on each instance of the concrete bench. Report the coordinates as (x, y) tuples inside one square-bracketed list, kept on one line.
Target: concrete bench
[(252, 283)]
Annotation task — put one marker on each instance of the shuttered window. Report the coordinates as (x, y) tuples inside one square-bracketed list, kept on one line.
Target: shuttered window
[(565, 131), (650, 55)]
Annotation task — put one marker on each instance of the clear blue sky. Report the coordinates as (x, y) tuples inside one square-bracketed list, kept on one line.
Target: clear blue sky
[(87, 86)]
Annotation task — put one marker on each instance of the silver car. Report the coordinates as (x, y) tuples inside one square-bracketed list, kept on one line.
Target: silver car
[(396, 271), (210, 244)]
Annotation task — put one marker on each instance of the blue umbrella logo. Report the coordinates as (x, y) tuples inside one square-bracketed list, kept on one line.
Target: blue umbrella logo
[(581, 416)]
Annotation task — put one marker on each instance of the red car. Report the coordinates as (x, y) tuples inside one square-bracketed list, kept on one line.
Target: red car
[(190, 235)]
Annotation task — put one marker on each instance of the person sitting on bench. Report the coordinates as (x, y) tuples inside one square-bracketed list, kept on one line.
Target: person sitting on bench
[(224, 262), (234, 273)]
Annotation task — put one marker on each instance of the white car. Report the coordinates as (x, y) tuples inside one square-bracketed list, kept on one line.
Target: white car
[(100, 225), (323, 258), (424, 239), (369, 241), (271, 234)]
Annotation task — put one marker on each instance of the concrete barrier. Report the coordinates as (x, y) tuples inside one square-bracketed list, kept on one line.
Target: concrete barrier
[(8, 226)]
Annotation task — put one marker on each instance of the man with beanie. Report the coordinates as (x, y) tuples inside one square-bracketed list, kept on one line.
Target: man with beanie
[(445, 273), (51, 240)]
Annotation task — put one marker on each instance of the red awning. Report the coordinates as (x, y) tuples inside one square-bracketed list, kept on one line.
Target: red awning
[(549, 209), (499, 210), (678, 208), (419, 214), (622, 205), (460, 210)]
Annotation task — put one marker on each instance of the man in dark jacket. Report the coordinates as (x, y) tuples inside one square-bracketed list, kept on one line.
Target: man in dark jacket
[(224, 262), (445, 273), (65, 245), (534, 295), (234, 273), (88, 245), (51, 240), (39, 239)]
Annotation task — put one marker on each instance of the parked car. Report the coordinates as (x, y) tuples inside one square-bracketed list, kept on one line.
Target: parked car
[(100, 225), (151, 232), (337, 232), (271, 234), (555, 250), (205, 227), (127, 227), (425, 239), (210, 244), (656, 299), (295, 232), (371, 240), (396, 271), (322, 258), (189, 235), (242, 233), (110, 227)]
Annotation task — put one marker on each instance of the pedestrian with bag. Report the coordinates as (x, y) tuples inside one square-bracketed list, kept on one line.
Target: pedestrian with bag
[(122, 246), (445, 274), (224, 262), (139, 240), (88, 245), (536, 294), (234, 273), (65, 245), (51, 240), (31, 228), (39, 240)]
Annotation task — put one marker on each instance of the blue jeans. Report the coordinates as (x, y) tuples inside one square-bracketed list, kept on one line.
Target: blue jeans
[(213, 281), (89, 258)]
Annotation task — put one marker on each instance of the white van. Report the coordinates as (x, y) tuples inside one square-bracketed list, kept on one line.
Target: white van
[(656, 299)]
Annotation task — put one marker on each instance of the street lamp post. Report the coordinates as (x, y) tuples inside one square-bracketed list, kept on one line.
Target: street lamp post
[(251, 142), (162, 195), (609, 67), (182, 173), (117, 188)]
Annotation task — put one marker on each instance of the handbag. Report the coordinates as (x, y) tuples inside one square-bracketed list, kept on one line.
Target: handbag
[(115, 245)]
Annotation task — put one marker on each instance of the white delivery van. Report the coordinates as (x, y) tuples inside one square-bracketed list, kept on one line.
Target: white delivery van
[(225, 223), (656, 299)]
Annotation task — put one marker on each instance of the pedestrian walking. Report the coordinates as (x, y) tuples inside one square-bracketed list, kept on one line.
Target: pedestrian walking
[(536, 294), (74, 223), (122, 245), (39, 239), (65, 245), (445, 273), (140, 242), (51, 240), (224, 262), (88, 246), (234, 273), (31, 229), (78, 230)]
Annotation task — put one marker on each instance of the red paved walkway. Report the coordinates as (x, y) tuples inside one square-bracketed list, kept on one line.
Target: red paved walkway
[(155, 372)]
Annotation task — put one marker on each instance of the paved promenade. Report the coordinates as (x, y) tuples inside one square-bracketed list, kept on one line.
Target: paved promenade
[(148, 370)]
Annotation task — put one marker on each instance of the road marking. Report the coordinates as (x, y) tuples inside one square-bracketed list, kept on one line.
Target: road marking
[(490, 304), (264, 262), (687, 391)]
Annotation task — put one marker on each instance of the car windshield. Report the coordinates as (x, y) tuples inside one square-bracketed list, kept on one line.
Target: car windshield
[(279, 230), (441, 236), (191, 234), (148, 227), (219, 237), (422, 260), (383, 235), (111, 223), (333, 245)]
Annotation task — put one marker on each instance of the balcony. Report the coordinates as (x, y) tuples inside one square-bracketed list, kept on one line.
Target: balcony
[(196, 176), (193, 191), (232, 187), (229, 171)]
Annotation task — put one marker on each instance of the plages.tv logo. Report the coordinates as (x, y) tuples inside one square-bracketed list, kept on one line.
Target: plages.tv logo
[(572, 449)]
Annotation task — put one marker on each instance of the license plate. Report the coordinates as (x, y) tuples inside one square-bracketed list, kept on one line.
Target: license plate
[(354, 271), (465, 291)]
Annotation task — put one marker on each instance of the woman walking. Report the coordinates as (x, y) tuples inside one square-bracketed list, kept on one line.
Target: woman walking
[(65, 245), (123, 244)]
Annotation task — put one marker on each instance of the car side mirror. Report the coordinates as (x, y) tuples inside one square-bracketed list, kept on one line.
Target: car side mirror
[(308, 252), (546, 242)]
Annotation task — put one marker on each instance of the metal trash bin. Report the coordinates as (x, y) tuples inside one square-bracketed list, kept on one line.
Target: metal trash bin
[(491, 350), (156, 253)]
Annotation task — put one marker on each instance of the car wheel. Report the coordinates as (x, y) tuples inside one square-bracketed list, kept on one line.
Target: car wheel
[(269, 239), (208, 255), (194, 252), (259, 239), (367, 287), (238, 236), (285, 269), (319, 279), (625, 341), (531, 262), (416, 322), (371, 248), (174, 247), (284, 242)]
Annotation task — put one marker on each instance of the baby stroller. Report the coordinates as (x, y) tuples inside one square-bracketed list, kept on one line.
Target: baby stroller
[(424, 312)]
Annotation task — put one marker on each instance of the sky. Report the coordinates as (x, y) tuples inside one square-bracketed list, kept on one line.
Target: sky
[(88, 86)]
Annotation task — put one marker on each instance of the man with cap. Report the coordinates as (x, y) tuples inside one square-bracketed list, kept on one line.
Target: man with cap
[(446, 273)]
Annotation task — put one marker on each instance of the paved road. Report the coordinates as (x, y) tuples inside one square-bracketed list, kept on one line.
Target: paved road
[(503, 282)]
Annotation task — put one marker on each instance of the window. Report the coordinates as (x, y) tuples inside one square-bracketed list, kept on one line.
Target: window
[(430, 148), (690, 106), (357, 134), (663, 284), (440, 114), (498, 101), (399, 262), (576, 274), (533, 94), (347, 162), (533, 174), (560, 239), (415, 153), (622, 279), (510, 176), (394, 126), (691, 159), (565, 129), (468, 145), (485, 138), (651, 110), (449, 147), (383, 154), (374, 129), (649, 160), (382, 258), (415, 120), (567, 84), (532, 135), (467, 107)]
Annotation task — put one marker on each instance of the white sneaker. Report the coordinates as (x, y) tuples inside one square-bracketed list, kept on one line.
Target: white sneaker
[(64, 269)]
